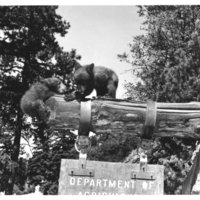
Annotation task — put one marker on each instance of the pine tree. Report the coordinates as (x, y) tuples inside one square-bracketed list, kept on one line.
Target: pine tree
[(166, 59), (27, 46)]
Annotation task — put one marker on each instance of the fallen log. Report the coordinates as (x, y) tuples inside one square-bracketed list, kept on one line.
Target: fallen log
[(116, 116)]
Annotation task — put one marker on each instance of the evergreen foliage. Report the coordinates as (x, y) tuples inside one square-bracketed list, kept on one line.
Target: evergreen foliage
[(28, 52), (166, 59)]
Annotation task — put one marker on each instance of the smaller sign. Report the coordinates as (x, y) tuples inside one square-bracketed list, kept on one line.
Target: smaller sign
[(107, 178)]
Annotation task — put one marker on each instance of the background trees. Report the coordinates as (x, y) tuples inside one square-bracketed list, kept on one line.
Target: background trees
[(166, 58), (28, 52), (27, 49)]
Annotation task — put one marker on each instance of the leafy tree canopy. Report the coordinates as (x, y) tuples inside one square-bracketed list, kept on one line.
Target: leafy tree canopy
[(167, 56)]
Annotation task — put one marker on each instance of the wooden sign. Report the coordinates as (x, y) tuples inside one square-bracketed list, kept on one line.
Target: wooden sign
[(107, 178)]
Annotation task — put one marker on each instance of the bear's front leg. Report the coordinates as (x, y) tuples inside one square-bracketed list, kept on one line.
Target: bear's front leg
[(43, 112)]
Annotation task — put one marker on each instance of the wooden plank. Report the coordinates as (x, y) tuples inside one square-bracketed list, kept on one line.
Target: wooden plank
[(109, 179)]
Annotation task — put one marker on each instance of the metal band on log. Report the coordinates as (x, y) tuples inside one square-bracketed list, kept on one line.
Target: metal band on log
[(149, 126), (113, 116), (150, 120), (85, 118)]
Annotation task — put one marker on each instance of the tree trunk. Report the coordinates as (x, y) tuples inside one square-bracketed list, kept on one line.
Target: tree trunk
[(119, 116), (15, 153)]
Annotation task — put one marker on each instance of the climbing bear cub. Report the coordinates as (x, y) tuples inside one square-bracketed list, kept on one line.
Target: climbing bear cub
[(32, 103), (102, 79)]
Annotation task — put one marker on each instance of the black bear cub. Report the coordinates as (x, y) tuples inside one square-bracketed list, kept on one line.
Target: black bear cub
[(102, 79), (32, 103)]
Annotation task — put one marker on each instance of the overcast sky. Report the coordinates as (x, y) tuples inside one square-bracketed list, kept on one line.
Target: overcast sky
[(99, 33)]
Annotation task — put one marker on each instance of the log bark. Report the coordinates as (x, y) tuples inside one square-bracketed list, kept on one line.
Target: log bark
[(122, 116)]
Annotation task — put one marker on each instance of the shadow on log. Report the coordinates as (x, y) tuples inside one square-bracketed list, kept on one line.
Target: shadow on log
[(122, 116)]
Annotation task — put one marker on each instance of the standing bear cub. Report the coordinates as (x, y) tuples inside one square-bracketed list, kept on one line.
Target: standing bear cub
[(90, 77), (32, 103)]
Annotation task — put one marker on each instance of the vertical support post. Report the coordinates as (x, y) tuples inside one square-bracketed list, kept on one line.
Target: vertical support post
[(82, 160)]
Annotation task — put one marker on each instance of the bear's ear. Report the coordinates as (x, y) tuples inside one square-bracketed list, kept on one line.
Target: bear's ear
[(90, 68)]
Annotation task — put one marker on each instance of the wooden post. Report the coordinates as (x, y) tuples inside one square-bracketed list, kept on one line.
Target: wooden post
[(120, 116)]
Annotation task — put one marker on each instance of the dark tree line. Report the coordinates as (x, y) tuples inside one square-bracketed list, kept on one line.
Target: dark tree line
[(27, 48)]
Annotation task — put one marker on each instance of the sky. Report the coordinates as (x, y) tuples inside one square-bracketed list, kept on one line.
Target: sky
[(100, 33)]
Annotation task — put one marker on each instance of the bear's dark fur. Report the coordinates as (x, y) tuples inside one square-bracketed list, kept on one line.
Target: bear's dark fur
[(32, 102), (102, 79)]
